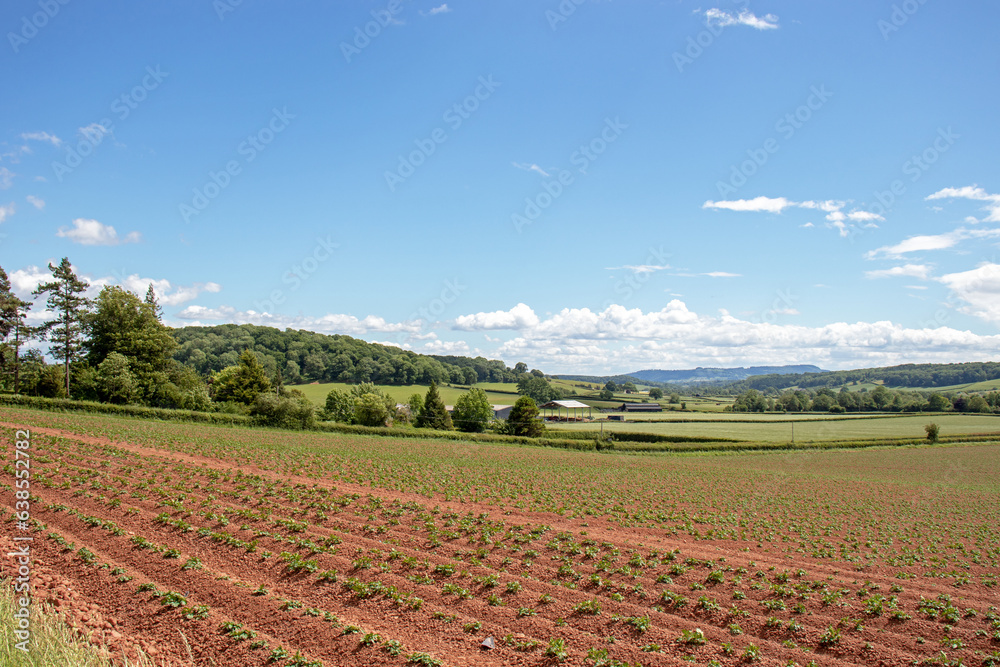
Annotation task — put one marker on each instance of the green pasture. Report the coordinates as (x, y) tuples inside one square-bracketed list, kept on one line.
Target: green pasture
[(771, 428), (317, 392)]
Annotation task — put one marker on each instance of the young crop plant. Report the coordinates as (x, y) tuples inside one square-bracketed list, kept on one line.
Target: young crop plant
[(371, 639), (556, 650), (423, 659), (173, 599), (692, 637), (640, 623), (592, 607), (472, 626), (751, 653), (830, 637), (192, 564), (196, 613), (526, 611)]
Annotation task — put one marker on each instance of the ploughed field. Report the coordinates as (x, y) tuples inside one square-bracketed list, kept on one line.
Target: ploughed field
[(262, 547)]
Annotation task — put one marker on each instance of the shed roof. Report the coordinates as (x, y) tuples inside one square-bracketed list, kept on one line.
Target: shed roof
[(571, 405)]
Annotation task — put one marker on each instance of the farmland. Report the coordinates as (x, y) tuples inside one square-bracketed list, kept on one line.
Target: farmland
[(778, 428), (317, 392), (263, 547)]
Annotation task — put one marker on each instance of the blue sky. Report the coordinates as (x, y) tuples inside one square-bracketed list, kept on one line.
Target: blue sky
[(585, 186)]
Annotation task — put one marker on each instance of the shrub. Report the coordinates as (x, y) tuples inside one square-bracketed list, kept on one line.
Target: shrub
[(293, 411), (932, 432)]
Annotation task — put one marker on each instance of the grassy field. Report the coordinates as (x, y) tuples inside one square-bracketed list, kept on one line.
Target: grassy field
[(775, 429), (317, 392)]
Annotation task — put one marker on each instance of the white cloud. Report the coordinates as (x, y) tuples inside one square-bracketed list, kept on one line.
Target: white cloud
[(441, 9), (196, 312), (519, 317), (836, 217), (621, 340), (7, 211), (94, 133), (167, 293), (864, 216), (979, 288), (724, 19), (931, 242), (530, 167), (722, 274), (974, 193), (459, 347), (36, 202), (640, 268), (6, 178), (758, 204), (42, 136), (25, 281), (92, 232), (920, 271), (333, 323)]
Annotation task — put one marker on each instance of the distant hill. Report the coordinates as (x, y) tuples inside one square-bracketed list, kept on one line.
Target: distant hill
[(719, 375), (913, 376)]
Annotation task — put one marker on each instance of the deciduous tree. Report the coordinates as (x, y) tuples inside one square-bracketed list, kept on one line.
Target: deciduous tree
[(473, 411)]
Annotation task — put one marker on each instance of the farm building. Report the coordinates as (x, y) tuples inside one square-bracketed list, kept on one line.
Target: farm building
[(502, 411), (641, 407), (561, 407)]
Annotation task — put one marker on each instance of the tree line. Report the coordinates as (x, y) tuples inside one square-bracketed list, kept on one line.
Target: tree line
[(880, 399), (368, 405), (115, 349), (906, 375)]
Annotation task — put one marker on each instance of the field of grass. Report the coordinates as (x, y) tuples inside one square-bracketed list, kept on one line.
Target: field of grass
[(317, 392), (778, 428), (985, 385)]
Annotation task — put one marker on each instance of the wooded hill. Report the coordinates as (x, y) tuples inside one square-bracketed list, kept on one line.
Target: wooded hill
[(914, 376), (304, 356)]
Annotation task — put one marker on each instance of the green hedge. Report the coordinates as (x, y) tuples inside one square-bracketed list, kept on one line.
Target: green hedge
[(140, 411)]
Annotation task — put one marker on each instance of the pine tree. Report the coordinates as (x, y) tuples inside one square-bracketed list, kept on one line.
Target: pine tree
[(13, 320), (523, 418), (434, 415), (67, 331), (153, 303)]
